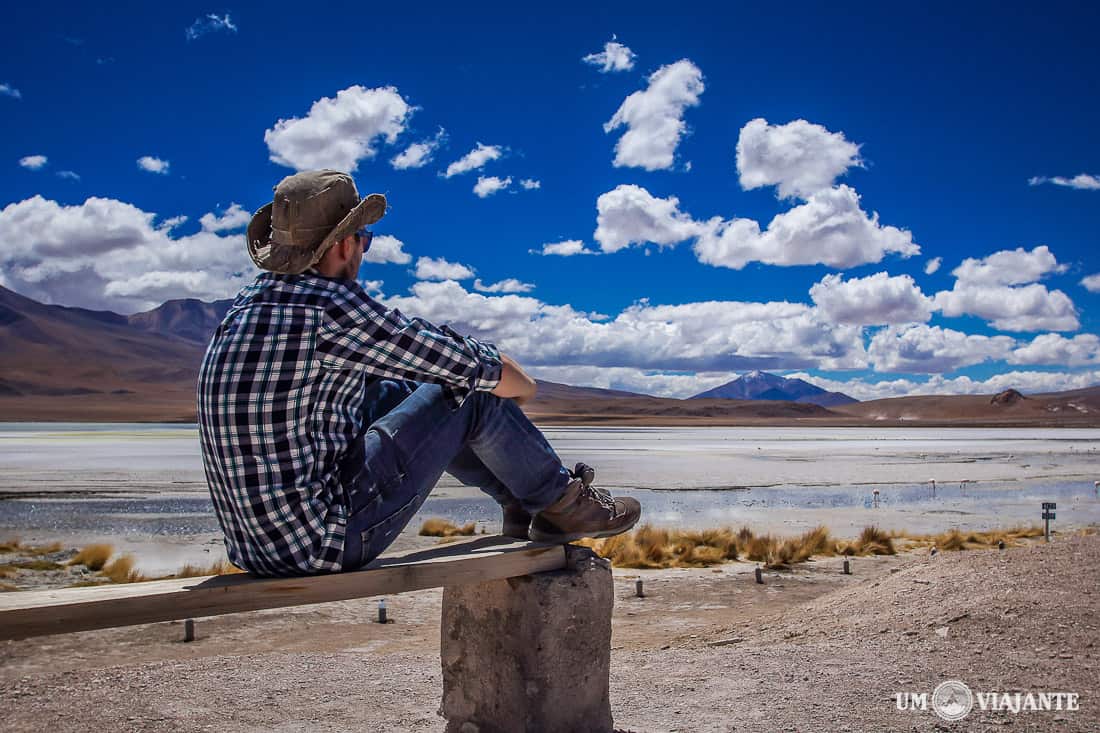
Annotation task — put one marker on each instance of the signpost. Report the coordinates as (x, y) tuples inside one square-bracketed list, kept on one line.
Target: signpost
[(1048, 514)]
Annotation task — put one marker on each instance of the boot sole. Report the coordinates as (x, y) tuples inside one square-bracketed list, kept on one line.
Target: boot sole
[(555, 538)]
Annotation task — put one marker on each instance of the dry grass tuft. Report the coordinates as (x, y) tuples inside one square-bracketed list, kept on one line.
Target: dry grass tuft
[(443, 528), (8, 571), (6, 587), (93, 557), (954, 540), (121, 570), (11, 545), (221, 567)]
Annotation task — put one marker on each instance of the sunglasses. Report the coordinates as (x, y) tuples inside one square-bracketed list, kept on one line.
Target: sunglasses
[(365, 237)]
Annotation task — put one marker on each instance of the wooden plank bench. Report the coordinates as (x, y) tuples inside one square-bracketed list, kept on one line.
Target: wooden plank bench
[(541, 611)]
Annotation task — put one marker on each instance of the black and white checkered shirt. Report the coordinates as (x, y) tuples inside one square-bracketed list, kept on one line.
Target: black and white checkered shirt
[(280, 400)]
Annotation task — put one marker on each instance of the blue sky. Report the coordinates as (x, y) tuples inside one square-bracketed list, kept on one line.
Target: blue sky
[(969, 132)]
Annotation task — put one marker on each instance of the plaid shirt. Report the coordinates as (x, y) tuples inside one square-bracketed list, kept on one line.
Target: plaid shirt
[(280, 401)]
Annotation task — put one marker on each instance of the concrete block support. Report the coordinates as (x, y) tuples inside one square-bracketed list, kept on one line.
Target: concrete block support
[(530, 654)]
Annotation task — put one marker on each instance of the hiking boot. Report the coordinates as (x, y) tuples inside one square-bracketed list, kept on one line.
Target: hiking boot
[(584, 511), (516, 521)]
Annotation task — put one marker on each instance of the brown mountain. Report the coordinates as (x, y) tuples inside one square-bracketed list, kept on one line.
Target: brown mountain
[(188, 318)]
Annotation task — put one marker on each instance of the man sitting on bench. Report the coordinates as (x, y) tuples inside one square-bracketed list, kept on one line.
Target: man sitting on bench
[(326, 419)]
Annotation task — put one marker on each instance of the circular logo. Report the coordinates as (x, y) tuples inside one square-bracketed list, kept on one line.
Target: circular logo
[(951, 700)]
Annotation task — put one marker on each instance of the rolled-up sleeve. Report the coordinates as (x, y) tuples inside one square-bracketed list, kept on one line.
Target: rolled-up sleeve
[(362, 334)]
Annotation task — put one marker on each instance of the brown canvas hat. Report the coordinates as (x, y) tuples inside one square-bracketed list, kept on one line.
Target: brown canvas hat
[(311, 211)]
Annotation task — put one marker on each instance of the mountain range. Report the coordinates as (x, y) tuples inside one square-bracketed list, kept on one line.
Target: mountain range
[(73, 364)]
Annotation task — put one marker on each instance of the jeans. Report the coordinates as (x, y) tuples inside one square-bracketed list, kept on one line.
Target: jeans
[(414, 437)]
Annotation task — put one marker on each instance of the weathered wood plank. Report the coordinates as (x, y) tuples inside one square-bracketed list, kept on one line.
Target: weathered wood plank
[(37, 613)]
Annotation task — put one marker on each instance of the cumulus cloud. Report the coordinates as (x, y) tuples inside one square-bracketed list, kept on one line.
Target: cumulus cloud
[(568, 248), (530, 184), (630, 214), (209, 23), (653, 117), (932, 349), (488, 185), (676, 385), (339, 132), (234, 217), (829, 229), (933, 265), (387, 248), (33, 162), (1092, 283), (994, 288), (1082, 181), (508, 285), (107, 254), (1053, 348), (431, 268), (614, 57), (800, 158), (474, 160), (7, 90), (418, 154), (1027, 382), (1009, 267), (706, 336), (874, 300), (152, 164)]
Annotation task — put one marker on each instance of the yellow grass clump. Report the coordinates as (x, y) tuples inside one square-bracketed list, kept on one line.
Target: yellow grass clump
[(221, 567), (93, 557), (443, 528), (6, 587), (954, 540), (121, 570)]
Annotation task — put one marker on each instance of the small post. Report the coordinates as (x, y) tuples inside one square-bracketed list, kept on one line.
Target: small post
[(874, 497), (382, 610), (189, 630), (933, 482), (1000, 544), (638, 588), (847, 567), (759, 575), (1048, 514)]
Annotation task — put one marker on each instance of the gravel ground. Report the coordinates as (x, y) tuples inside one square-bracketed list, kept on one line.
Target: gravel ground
[(706, 650)]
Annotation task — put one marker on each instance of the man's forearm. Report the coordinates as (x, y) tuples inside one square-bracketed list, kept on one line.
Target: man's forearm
[(514, 382)]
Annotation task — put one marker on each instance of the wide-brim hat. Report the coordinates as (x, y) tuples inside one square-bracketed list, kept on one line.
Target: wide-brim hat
[(310, 212)]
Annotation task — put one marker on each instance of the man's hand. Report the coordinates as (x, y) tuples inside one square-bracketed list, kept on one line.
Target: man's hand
[(514, 382)]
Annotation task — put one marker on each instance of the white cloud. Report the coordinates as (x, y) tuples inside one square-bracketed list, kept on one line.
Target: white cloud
[(801, 158), (933, 265), (107, 254), (372, 286), (232, 218), (707, 336), (874, 300), (630, 214), (387, 248), (1027, 382), (1024, 308), (339, 132), (167, 225), (653, 117), (153, 165), (70, 175), (932, 349), (209, 23), (33, 162), (614, 57), (488, 185), (508, 285), (829, 229), (431, 268), (1092, 283), (568, 248), (1009, 267), (7, 90), (530, 184), (1052, 348), (676, 385), (418, 154), (1082, 181), (473, 160)]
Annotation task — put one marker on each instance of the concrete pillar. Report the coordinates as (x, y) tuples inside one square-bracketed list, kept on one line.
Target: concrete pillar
[(530, 654)]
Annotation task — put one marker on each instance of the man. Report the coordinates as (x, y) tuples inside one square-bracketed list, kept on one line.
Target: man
[(326, 418)]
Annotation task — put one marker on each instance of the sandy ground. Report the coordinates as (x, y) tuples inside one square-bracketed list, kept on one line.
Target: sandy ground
[(705, 650)]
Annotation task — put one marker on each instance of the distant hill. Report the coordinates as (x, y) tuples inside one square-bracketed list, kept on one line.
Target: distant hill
[(757, 385), (188, 318)]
